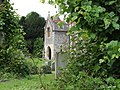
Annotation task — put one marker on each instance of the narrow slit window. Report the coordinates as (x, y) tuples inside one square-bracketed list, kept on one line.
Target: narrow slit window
[(48, 31)]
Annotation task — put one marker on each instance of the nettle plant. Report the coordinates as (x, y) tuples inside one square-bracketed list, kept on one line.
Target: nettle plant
[(12, 46)]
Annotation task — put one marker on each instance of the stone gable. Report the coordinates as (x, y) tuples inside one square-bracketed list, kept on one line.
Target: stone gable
[(56, 38)]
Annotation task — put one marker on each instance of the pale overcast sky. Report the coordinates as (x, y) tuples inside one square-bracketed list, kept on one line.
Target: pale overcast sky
[(26, 6)]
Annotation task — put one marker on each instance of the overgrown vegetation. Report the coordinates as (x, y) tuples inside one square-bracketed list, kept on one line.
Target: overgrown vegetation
[(38, 66), (95, 52), (13, 53), (12, 48), (94, 55), (38, 47)]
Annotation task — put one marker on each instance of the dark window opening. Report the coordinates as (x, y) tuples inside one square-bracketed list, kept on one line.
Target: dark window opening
[(48, 31), (49, 53)]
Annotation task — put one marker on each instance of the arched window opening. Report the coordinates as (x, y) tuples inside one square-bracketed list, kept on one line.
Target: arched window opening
[(49, 52)]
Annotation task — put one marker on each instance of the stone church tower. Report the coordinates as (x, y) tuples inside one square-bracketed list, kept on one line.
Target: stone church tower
[(55, 37)]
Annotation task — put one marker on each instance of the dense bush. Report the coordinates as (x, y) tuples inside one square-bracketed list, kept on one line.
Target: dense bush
[(46, 69), (20, 69), (12, 48), (95, 48), (84, 82), (5, 76), (95, 36), (34, 69), (40, 70), (38, 47), (38, 67)]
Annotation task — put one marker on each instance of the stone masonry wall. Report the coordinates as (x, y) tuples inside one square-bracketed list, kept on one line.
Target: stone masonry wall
[(61, 41)]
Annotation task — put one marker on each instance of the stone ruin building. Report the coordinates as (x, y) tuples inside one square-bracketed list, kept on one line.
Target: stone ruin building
[(55, 37)]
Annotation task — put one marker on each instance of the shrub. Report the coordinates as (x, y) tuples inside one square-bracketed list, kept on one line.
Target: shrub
[(85, 82), (48, 63), (95, 48), (5, 76), (46, 69), (12, 48), (34, 70), (20, 69), (38, 47)]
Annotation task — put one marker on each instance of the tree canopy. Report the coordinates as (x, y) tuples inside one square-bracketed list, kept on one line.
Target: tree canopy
[(33, 25)]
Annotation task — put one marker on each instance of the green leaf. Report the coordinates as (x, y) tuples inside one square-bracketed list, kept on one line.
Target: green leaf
[(101, 60), (78, 21), (111, 14), (115, 25), (107, 22), (115, 19), (110, 80), (76, 8), (60, 24), (74, 18), (96, 68), (86, 8), (113, 56), (117, 56), (111, 44), (101, 9), (92, 36), (110, 53), (84, 36), (119, 50), (110, 2)]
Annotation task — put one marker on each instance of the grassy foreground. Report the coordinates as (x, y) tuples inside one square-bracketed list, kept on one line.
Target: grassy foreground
[(32, 83)]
